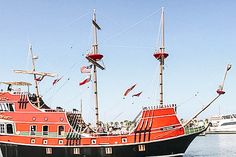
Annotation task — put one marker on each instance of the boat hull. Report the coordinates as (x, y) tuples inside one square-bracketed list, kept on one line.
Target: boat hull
[(169, 147)]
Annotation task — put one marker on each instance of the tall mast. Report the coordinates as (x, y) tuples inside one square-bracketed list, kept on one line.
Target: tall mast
[(94, 57), (161, 55), (35, 76), (95, 51)]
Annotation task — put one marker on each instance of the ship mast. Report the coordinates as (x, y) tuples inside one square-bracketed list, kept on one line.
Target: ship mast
[(161, 55), (93, 57), (35, 76)]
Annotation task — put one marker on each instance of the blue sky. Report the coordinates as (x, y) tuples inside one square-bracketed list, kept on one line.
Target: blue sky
[(200, 40)]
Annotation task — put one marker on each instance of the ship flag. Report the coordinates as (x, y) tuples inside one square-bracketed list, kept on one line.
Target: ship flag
[(96, 25), (86, 69), (40, 78), (86, 80), (137, 94), (129, 89), (56, 80), (229, 67)]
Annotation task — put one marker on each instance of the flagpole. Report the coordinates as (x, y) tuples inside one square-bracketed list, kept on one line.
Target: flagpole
[(35, 77)]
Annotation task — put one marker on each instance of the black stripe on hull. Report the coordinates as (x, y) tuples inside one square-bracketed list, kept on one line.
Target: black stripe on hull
[(167, 147)]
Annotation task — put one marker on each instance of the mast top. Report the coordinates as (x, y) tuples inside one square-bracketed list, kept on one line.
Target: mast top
[(220, 90), (94, 55), (161, 54)]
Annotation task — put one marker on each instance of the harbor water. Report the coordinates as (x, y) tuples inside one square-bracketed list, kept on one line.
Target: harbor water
[(213, 145)]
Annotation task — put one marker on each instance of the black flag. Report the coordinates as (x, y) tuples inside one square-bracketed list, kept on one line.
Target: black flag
[(96, 25)]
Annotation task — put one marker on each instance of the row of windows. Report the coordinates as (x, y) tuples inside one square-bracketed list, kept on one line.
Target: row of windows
[(108, 150), (75, 151), (45, 141), (45, 130), (123, 140), (6, 128), (6, 107)]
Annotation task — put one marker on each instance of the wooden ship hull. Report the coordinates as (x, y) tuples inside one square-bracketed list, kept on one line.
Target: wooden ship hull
[(26, 130), (169, 147)]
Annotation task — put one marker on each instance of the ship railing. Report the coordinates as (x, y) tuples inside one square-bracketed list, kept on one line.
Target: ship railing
[(160, 107), (50, 110), (19, 93), (192, 130)]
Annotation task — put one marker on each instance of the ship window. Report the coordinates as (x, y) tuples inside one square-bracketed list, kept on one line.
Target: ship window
[(9, 129), (48, 150), (108, 150), (228, 123), (60, 130), (45, 130), (10, 107), (3, 107), (76, 151), (141, 148), (167, 128), (33, 130), (2, 128)]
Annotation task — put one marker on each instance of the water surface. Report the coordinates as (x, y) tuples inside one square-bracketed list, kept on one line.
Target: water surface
[(217, 145)]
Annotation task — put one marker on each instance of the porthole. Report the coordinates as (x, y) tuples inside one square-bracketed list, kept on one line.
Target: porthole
[(93, 141), (60, 141), (32, 140), (45, 141), (124, 140)]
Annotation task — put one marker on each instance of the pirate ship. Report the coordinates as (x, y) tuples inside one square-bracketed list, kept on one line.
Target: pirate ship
[(28, 127)]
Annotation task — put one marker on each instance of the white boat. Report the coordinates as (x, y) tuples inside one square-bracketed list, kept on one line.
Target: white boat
[(225, 124)]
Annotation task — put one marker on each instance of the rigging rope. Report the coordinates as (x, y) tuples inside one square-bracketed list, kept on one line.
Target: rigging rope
[(188, 99), (67, 73), (50, 98), (132, 26), (158, 41)]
